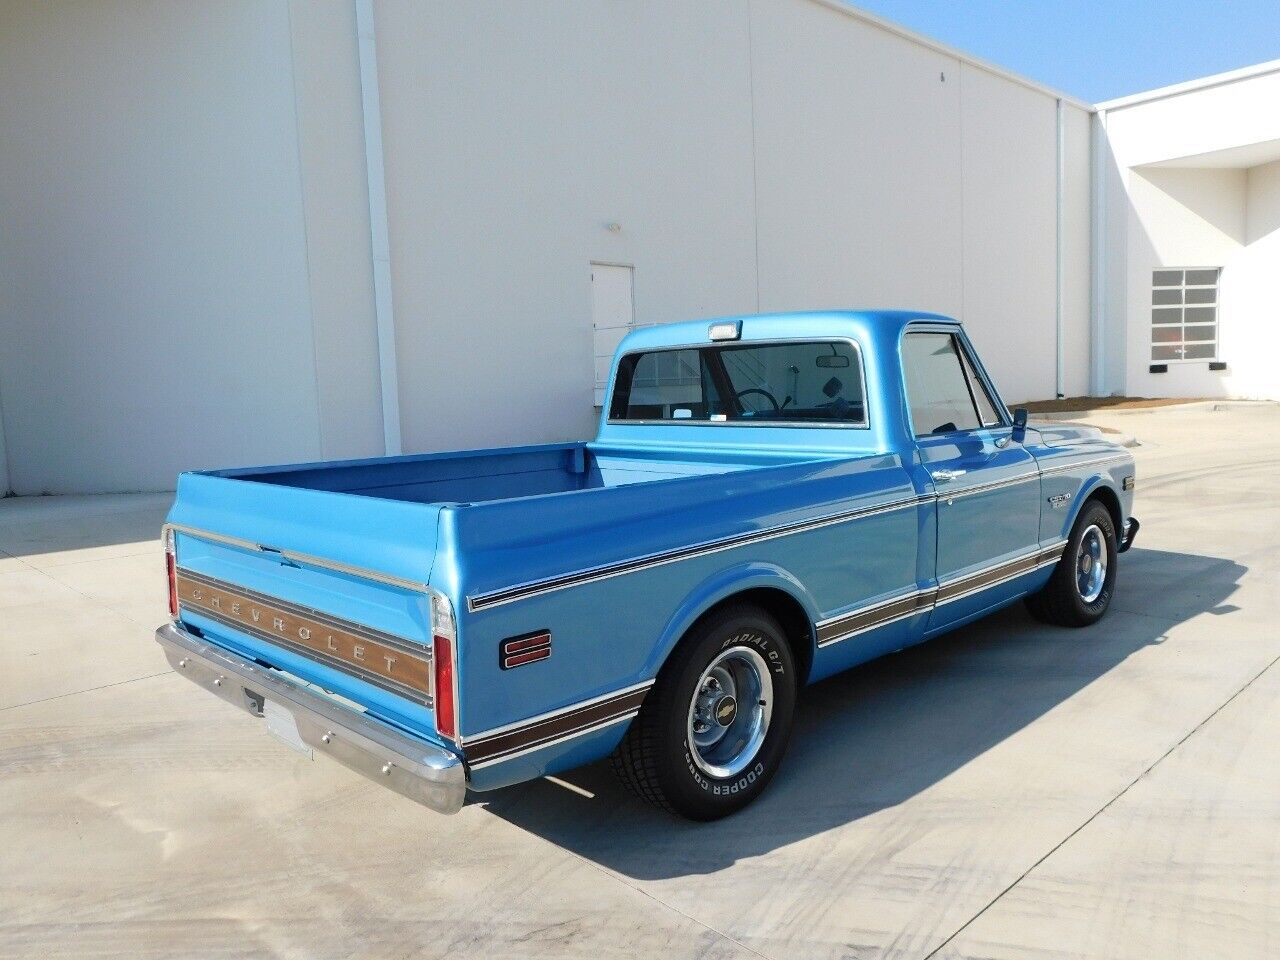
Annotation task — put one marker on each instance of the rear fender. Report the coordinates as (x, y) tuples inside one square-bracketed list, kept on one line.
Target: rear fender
[(722, 586)]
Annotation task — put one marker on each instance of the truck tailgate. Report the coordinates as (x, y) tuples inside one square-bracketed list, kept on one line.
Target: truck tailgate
[(325, 586)]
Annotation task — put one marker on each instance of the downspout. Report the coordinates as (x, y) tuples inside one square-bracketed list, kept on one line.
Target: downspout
[(6, 487), (379, 232), (1058, 375), (1098, 257)]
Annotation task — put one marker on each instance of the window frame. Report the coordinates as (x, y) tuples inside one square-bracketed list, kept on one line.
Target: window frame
[(969, 362), (596, 387), (1182, 324), (863, 424)]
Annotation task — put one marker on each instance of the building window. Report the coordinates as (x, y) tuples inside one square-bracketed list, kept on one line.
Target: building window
[(1184, 314)]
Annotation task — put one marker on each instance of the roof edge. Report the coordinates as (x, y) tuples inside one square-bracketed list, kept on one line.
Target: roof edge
[(1188, 86), (839, 6)]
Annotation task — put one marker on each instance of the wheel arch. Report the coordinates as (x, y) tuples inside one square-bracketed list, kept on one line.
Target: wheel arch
[(766, 586), (1097, 488)]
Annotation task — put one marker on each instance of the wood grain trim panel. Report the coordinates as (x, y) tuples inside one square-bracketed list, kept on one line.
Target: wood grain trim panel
[(390, 663)]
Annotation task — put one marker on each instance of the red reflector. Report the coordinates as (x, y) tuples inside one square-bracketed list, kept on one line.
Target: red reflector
[(530, 656), (527, 649), (442, 693), (171, 569)]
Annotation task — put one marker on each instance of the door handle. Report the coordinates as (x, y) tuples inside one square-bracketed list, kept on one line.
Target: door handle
[(944, 476)]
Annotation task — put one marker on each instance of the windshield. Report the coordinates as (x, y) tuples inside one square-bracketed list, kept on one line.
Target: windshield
[(816, 382)]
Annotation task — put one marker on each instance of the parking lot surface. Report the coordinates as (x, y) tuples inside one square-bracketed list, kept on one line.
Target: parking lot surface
[(1010, 791)]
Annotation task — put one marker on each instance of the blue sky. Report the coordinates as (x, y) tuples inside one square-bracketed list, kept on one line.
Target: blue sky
[(1099, 50)]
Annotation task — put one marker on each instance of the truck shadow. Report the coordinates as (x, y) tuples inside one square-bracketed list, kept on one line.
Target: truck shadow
[(877, 735)]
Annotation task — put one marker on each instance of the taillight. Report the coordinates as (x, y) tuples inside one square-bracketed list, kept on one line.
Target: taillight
[(171, 569), (445, 691)]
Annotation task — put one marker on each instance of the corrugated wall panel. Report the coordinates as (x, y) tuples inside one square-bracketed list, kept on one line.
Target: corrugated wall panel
[(153, 254)]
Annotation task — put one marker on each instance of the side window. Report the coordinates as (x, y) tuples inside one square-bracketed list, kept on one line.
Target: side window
[(937, 390), (986, 407)]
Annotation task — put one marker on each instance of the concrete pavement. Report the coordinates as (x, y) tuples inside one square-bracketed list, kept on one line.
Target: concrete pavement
[(1011, 791)]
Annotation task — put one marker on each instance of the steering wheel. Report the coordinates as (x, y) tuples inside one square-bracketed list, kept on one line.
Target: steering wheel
[(764, 393)]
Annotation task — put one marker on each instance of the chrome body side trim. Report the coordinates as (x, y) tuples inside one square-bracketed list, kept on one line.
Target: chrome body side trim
[(494, 598), (879, 614), (538, 718), (421, 771), (911, 602), (556, 741), (973, 583), (305, 558), (567, 723), (950, 494), (1080, 464)]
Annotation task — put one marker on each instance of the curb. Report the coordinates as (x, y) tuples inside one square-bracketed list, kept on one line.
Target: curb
[(1212, 405)]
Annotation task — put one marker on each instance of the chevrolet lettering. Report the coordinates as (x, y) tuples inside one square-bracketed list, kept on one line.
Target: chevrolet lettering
[(769, 500)]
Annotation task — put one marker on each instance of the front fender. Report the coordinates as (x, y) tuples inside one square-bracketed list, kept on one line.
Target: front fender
[(1088, 488), (720, 586)]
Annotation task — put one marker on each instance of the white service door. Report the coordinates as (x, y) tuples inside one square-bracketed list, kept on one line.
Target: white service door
[(612, 315)]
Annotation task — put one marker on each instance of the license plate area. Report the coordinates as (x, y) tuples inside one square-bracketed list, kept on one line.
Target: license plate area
[(283, 726)]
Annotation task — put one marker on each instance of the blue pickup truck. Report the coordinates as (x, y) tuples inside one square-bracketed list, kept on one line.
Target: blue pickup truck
[(769, 500)]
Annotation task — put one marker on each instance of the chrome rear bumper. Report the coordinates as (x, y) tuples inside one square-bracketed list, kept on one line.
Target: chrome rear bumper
[(420, 771)]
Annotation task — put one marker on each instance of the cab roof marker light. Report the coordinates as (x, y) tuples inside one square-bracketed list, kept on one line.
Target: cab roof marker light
[(728, 330)]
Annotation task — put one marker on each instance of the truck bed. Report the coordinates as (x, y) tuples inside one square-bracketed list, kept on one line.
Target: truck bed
[(508, 473), (361, 539)]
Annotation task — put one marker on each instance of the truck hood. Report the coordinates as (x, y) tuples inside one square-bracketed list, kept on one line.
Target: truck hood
[(1065, 434)]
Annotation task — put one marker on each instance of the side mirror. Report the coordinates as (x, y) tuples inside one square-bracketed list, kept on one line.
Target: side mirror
[(1020, 424)]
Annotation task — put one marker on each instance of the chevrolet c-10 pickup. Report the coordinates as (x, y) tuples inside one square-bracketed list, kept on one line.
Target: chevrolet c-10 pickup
[(769, 500)]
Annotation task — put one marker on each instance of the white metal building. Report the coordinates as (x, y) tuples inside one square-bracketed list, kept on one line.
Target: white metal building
[(1188, 243), (277, 230)]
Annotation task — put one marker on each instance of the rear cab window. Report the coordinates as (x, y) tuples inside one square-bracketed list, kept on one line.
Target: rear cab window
[(779, 384)]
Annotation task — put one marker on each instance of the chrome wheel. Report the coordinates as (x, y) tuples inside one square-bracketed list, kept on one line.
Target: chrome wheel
[(730, 711), (1091, 564)]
